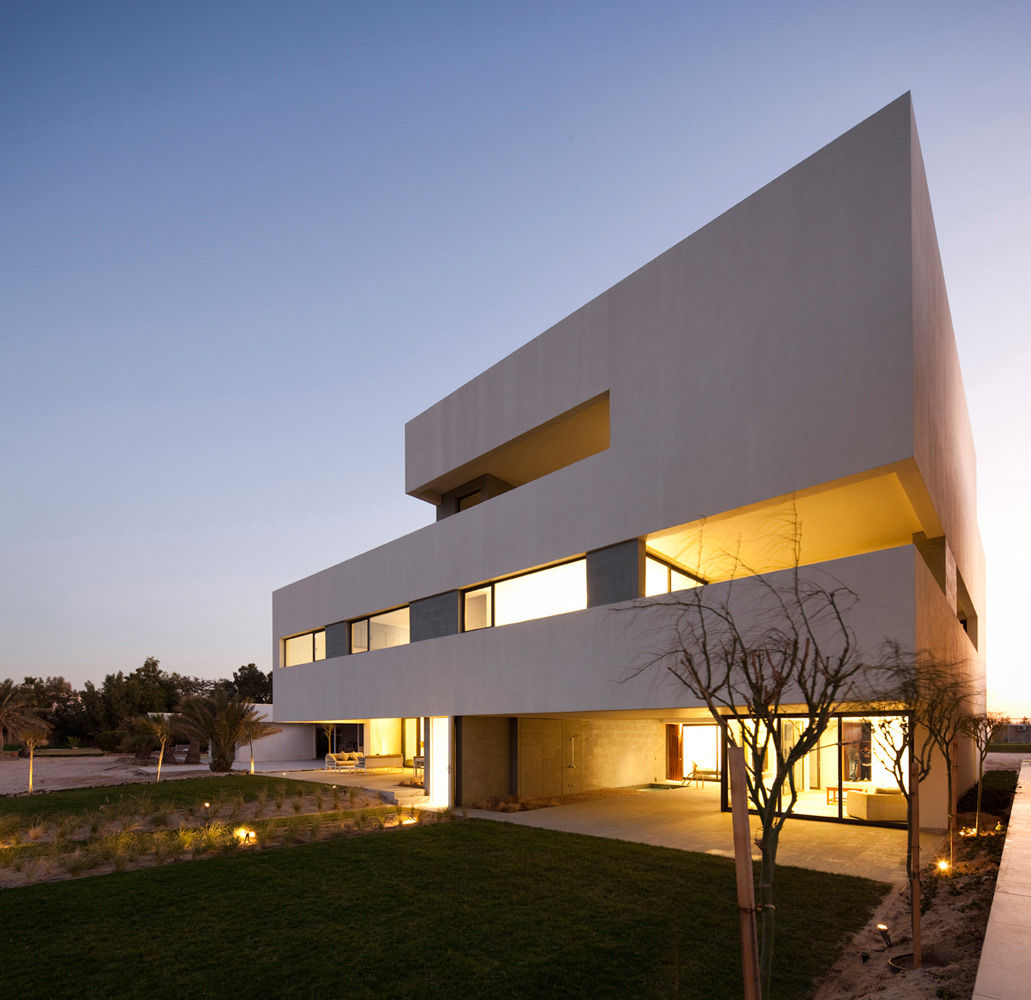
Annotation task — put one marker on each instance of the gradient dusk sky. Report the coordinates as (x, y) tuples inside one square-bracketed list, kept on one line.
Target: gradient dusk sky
[(243, 243)]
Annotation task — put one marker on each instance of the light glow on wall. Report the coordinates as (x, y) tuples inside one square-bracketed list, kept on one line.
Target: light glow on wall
[(438, 776)]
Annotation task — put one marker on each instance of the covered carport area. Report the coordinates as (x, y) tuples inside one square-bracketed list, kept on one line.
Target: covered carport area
[(689, 818)]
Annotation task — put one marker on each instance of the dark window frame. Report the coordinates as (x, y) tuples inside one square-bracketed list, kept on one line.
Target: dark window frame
[(351, 622)]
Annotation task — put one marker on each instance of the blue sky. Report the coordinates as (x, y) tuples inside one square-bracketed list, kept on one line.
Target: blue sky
[(244, 242)]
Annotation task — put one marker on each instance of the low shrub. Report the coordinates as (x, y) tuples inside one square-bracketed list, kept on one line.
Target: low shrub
[(997, 797), (110, 740)]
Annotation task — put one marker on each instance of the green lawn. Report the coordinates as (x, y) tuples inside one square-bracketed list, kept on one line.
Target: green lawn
[(167, 794), (458, 910)]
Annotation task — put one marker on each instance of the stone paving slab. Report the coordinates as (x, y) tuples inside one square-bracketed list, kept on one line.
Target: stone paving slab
[(690, 819), (1004, 972)]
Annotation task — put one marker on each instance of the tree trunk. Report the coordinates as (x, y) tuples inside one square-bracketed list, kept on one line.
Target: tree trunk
[(161, 758), (949, 766), (980, 782), (914, 864), (767, 909), (31, 758)]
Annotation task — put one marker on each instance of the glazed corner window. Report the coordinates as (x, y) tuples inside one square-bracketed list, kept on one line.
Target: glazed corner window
[(381, 631), (540, 594), (304, 648), (661, 578)]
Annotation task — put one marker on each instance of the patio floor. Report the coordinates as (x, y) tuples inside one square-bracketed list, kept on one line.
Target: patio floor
[(690, 819)]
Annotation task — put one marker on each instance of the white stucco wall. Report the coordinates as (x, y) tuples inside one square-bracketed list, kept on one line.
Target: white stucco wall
[(295, 742), (568, 663), (771, 351)]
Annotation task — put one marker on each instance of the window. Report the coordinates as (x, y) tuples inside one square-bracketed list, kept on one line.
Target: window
[(662, 578), (540, 594), (479, 608), (391, 628), (304, 648)]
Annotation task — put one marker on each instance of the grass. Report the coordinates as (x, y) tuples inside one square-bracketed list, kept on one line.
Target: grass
[(459, 910), (166, 795)]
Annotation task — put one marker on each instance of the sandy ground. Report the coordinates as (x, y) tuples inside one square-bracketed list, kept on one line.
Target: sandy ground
[(953, 929), (51, 773)]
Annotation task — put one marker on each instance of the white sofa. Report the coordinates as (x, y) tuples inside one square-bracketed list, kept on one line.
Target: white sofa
[(882, 805)]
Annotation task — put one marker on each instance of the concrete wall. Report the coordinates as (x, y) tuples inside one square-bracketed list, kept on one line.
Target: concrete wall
[(566, 756), (770, 351), (295, 742), (576, 662), (485, 759)]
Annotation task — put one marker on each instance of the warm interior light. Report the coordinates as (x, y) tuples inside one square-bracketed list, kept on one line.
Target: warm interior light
[(552, 591)]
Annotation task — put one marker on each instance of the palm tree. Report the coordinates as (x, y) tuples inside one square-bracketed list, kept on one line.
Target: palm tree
[(255, 729), (223, 723), (33, 732), (15, 710), (156, 726)]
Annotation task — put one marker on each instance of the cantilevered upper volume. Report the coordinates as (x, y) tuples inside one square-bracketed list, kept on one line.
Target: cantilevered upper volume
[(793, 360)]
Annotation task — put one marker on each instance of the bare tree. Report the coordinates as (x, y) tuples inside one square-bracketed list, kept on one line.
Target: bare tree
[(932, 695), (982, 728), (777, 649)]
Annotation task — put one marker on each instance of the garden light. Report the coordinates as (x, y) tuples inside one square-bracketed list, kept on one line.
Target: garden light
[(883, 928)]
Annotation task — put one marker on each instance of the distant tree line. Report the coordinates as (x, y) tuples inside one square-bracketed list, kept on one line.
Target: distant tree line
[(101, 715)]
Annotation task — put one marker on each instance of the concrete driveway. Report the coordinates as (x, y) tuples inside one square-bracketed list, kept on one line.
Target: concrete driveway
[(690, 819)]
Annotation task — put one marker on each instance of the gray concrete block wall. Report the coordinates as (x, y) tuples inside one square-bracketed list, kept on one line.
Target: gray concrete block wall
[(615, 573), (484, 763), (338, 642), (432, 617)]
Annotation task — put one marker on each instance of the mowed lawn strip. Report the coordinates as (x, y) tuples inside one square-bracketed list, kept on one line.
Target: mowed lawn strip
[(458, 910), (169, 795)]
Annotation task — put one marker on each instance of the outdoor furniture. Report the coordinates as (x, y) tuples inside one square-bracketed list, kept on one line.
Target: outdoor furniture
[(880, 806), (832, 793), (383, 760), (345, 762), (698, 775)]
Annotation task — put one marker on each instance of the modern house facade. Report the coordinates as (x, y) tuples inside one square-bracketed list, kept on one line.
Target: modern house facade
[(795, 355)]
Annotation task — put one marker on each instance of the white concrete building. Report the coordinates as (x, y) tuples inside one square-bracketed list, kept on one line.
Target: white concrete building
[(795, 354)]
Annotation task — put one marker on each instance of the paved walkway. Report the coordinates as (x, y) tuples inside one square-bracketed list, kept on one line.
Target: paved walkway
[(690, 819), (1004, 971)]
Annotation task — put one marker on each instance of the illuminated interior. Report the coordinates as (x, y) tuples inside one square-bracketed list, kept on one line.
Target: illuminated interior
[(662, 578), (305, 648), (867, 513), (855, 755), (381, 631), (478, 605), (545, 592)]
